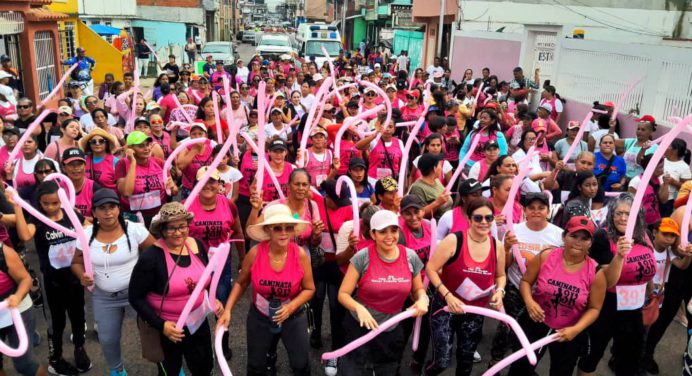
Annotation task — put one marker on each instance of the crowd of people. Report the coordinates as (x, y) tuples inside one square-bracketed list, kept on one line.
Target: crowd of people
[(565, 266)]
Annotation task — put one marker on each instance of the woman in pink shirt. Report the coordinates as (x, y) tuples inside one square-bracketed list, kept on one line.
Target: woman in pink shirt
[(70, 131), (564, 293)]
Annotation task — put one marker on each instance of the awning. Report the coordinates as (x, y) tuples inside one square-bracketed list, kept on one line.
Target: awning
[(104, 29)]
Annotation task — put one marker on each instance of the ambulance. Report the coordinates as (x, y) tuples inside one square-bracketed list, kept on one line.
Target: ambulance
[(312, 37)]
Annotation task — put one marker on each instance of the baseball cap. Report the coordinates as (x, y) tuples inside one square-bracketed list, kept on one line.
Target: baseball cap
[(341, 198), (401, 85), (152, 106), (4, 58), (428, 161), (142, 119), (104, 196), (318, 130), (276, 109), (492, 144), (437, 75), (390, 87), (198, 124), (353, 104), (647, 118), (13, 130), (368, 90), (383, 219), (4, 74), (573, 124), (73, 154), (80, 49), (317, 77), (278, 144), (546, 106), (468, 186), (530, 197), (279, 94), (377, 65), (609, 104), (328, 107), (137, 137), (411, 201), (413, 93), (65, 110), (669, 225), (538, 125), (356, 162), (388, 184), (214, 175), (580, 223)]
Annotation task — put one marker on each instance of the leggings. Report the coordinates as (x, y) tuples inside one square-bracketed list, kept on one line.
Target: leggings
[(109, 313), (468, 329), (563, 355), (381, 356), (294, 335), (514, 307), (328, 279), (627, 331), (65, 300), (195, 348), (678, 289)]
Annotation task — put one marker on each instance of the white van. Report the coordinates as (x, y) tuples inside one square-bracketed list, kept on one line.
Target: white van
[(315, 37), (303, 30)]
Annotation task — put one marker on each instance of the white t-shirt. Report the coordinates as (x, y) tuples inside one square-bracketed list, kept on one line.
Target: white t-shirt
[(88, 124), (659, 278), (532, 243), (308, 101), (242, 73), (678, 170), (229, 178), (634, 183), (535, 162), (433, 69), (112, 270), (271, 131)]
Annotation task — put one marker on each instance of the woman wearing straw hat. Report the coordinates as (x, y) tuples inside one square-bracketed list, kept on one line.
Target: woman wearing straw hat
[(281, 278), (99, 146), (160, 286)]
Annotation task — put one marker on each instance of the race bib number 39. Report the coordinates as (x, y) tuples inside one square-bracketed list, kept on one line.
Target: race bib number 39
[(630, 297)]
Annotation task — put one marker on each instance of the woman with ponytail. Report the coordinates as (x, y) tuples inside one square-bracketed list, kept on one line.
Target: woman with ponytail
[(114, 246), (676, 170)]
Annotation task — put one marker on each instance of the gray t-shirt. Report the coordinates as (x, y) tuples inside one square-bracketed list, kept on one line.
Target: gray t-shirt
[(361, 261), (561, 148)]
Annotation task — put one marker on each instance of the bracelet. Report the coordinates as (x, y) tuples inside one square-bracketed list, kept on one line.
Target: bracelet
[(445, 295), (502, 290)]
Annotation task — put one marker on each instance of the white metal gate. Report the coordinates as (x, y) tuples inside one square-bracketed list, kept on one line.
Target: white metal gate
[(68, 43), (45, 63), (544, 55)]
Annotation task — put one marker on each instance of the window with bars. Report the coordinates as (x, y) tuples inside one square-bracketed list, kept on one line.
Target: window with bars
[(45, 63), (68, 44)]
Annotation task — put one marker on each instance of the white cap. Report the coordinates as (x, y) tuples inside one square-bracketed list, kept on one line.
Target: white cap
[(317, 77), (546, 106), (198, 124), (377, 65), (383, 219)]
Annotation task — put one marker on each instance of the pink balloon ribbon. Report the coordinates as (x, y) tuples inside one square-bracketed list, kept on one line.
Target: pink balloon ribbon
[(224, 248), (478, 94), (153, 51), (406, 124), (354, 199), (426, 283), (648, 172), (508, 209), (474, 143), (685, 226), (624, 96), (311, 116), (25, 136), (214, 263), (261, 136), (217, 117), (58, 86), (387, 102), (504, 318), (577, 140), (171, 158), (218, 350), (40, 216), (358, 342), (520, 354), (233, 128), (68, 183), (347, 123), (262, 161), (211, 168), (404, 158), (21, 333), (81, 235), (130, 126), (332, 71)]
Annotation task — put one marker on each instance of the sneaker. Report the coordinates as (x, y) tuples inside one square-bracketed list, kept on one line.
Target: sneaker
[(82, 360), (118, 373), (477, 357), (271, 364), (331, 368), (316, 340), (61, 367), (650, 365)]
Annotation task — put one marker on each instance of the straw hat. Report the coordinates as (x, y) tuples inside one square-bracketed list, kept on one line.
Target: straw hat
[(274, 215), (112, 141), (172, 211)]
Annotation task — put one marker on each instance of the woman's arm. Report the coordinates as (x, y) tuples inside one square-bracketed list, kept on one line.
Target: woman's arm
[(591, 143), (533, 267), (148, 242), (18, 274), (185, 157), (238, 235), (500, 278), (126, 185), (553, 130), (614, 269), (26, 231)]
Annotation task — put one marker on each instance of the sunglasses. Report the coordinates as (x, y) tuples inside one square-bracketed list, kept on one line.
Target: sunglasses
[(370, 94), (409, 97), (157, 122), (244, 88), (180, 229), (64, 114), (98, 141), (23, 106), (479, 218), (283, 228), (43, 172)]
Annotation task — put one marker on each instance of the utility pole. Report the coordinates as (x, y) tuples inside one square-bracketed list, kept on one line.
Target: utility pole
[(440, 27)]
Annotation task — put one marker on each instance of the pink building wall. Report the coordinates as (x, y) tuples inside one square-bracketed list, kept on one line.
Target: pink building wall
[(501, 56)]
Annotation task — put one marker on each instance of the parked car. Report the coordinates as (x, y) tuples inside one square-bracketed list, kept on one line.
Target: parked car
[(274, 45), (249, 37), (219, 50)]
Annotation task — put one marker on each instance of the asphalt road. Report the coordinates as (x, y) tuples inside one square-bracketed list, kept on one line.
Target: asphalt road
[(669, 354)]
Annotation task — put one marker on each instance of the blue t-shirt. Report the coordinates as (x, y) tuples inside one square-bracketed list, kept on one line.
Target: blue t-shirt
[(617, 170)]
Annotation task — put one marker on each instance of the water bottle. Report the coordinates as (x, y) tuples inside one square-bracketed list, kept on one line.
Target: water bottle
[(274, 305)]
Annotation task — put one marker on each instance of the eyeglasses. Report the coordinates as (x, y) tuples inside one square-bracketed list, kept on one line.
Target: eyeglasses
[(283, 228), (97, 141), (23, 106), (479, 218), (43, 172), (92, 103), (181, 229)]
